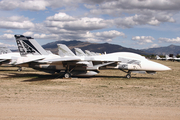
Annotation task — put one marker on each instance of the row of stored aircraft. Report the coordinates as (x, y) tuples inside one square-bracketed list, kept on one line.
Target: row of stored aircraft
[(31, 54), (174, 58)]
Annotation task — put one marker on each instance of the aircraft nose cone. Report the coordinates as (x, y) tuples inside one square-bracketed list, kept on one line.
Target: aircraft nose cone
[(164, 68), (148, 65), (160, 67)]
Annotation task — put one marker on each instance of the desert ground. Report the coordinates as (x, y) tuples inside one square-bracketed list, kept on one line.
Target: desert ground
[(31, 94)]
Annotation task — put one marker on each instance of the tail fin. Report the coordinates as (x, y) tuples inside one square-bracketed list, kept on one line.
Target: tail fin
[(167, 56), (28, 45), (79, 52), (63, 50), (49, 52), (93, 53), (4, 50), (157, 57), (88, 53)]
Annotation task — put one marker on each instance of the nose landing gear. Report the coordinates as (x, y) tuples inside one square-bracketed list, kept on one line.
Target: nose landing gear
[(128, 76)]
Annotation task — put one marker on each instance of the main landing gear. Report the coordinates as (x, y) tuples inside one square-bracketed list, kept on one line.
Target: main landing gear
[(68, 71), (128, 76), (67, 75), (19, 69)]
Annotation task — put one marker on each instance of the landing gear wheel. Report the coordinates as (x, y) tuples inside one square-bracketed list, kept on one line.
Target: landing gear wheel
[(20, 69), (128, 76), (67, 75)]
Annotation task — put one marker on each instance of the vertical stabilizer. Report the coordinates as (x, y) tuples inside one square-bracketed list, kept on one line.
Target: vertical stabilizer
[(49, 52), (79, 52), (28, 45), (63, 50), (88, 53), (157, 57), (167, 56)]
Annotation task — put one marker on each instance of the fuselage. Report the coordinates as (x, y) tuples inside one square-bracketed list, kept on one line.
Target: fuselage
[(144, 65), (125, 63)]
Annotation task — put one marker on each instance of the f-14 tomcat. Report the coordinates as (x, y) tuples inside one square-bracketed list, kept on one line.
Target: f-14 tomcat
[(34, 56)]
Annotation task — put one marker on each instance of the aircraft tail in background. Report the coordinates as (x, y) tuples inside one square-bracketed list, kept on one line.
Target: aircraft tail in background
[(88, 53), (157, 57), (79, 52), (167, 56), (63, 50)]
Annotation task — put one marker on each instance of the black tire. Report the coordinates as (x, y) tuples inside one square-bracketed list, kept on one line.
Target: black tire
[(19, 70), (128, 76), (67, 75)]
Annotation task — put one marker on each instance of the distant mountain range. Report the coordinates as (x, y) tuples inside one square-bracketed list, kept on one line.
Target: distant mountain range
[(172, 49), (110, 48), (94, 47)]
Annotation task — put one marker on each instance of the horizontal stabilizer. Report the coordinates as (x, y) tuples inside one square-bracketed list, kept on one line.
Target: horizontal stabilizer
[(24, 60)]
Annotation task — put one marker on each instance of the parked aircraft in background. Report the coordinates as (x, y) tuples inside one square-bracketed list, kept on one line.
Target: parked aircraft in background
[(176, 59), (169, 58), (7, 56), (159, 58), (5, 50)]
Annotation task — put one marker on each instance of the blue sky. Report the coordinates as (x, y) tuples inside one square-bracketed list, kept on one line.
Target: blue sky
[(135, 24)]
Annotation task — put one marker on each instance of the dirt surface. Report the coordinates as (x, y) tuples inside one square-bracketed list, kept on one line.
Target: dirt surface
[(109, 95)]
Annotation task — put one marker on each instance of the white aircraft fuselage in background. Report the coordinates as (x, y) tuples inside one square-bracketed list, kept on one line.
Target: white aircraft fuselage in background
[(9, 58)]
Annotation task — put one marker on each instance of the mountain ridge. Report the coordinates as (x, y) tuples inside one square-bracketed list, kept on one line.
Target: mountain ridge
[(171, 49), (94, 47)]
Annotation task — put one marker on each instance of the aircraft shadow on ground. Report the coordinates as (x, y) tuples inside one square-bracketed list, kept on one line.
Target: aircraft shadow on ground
[(32, 77), (9, 70)]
